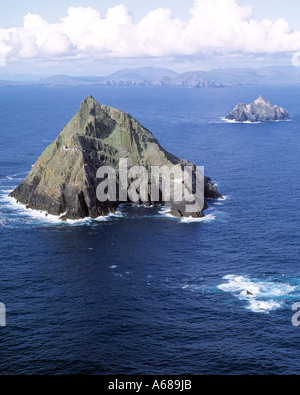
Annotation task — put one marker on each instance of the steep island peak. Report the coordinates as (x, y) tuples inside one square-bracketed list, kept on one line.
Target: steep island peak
[(63, 181)]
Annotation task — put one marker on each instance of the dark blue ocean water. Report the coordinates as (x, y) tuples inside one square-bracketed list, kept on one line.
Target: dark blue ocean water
[(142, 293)]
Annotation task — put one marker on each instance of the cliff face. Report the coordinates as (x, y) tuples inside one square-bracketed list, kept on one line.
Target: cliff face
[(63, 180), (258, 111)]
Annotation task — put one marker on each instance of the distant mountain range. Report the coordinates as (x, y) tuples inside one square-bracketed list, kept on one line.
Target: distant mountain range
[(151, 76)]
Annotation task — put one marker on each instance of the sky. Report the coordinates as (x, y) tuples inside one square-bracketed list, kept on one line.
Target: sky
[(98, 37)]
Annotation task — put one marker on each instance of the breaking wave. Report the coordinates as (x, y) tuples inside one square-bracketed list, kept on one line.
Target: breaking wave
[(260, 296), (252, 123), (10, 208), (234, 121), (186, 220)]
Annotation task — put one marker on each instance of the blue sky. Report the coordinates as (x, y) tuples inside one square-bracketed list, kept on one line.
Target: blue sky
[(77, 36)]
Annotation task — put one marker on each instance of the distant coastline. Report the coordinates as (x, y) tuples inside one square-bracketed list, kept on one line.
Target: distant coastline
[(151, 76)]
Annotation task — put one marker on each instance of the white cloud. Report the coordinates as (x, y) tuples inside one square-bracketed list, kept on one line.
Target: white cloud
[(56, 44), (215, 27)]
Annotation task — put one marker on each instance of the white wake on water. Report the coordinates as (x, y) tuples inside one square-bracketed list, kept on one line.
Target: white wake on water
[(252, 123), (166, 212), (207, 218), (39, 215), (234, 121), (19, 209), (260, 296)]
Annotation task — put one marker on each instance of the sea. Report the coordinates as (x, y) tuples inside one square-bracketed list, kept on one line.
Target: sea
[(140, 292)]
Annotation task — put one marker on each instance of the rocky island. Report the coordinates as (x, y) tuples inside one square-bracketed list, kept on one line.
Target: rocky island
[(258, 111), (63, 181)]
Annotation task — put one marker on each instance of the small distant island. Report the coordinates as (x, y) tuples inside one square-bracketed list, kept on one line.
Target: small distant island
[(258, 111)]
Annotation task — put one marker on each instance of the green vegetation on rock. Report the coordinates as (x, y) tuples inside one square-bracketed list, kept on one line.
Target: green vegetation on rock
[(63, 180)]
